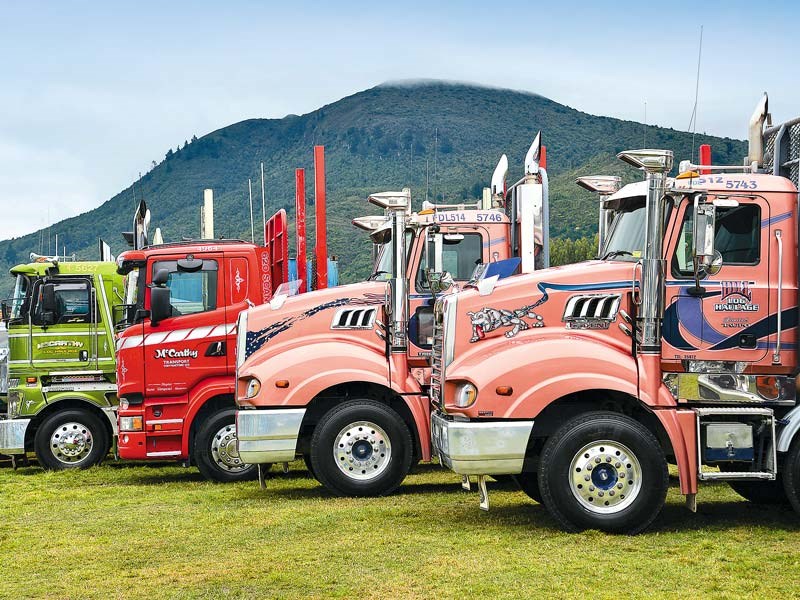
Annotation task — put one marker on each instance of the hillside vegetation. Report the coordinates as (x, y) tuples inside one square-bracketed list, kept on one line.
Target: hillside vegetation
[(440, 137)]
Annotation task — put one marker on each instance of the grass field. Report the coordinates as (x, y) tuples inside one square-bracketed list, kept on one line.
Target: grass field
[(121, 531)]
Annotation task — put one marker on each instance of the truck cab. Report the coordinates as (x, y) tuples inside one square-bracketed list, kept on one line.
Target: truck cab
[(175, 357), (679, 346), (341, 377), (61, 378)]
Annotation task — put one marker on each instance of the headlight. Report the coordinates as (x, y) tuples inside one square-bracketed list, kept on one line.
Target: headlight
[(253, 387), (466, 394), (241, 338), (13, 404), (131, 423)]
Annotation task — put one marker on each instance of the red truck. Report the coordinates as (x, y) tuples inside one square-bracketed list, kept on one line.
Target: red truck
[(341, 377), (176, 359), (678, 346)]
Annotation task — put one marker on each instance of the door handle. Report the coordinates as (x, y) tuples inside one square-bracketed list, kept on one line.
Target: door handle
[(216, 349)]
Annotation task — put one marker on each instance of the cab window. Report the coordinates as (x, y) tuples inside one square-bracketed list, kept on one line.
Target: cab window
[(190, 292), (737, 237), (72, 300), (461, 253)]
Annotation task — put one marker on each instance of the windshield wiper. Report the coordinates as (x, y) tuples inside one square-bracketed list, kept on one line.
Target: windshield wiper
[(376, 274), (614, 253)]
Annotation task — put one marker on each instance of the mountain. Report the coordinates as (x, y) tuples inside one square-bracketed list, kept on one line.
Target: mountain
[(449, 135)]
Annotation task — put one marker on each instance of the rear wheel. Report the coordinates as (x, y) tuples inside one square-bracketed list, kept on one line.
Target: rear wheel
[(791, 476), (759, 492), (215, 450), (603, 471), (71, 439), (361, 448)]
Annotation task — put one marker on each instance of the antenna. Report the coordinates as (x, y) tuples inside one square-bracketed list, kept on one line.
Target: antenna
[(263, 206), (693, 119), (435, 149), (250, 191), (644, 126), (427, 180)]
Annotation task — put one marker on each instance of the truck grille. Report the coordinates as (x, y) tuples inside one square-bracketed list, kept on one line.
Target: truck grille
[(782, 145), (437, 366)]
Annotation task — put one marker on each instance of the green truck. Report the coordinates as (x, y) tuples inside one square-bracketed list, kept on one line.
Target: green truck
[(62, 393)]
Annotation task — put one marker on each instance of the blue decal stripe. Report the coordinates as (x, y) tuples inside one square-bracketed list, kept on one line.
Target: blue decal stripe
[(775, 219)]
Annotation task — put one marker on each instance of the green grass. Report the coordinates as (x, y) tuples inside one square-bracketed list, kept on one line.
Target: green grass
[(121, 531)]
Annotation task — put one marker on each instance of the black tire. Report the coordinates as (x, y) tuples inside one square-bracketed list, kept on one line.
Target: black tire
[(337, 439), (309, 466), (215, 450), (529, 483), (71, 439), (758, 492), (791, 476), (611, 450)]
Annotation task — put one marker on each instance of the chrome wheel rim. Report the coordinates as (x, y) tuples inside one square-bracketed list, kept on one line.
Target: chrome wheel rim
[(71, 443), (605, 477), (224, 452), (362, 450)]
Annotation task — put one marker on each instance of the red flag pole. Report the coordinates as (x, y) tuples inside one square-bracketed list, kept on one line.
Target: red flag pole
[(321, 223), (300, 216)]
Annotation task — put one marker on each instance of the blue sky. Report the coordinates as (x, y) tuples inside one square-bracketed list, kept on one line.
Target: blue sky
[(91, 92)]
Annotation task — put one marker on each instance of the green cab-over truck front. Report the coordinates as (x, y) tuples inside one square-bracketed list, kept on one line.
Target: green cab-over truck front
[(62, 393)]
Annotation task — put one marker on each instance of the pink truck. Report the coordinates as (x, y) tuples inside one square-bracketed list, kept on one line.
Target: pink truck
[(341, 376), (679, 346)]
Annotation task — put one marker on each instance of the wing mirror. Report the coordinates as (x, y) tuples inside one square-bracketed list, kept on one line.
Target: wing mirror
[(438, 281), (160, 307), (707, 260)]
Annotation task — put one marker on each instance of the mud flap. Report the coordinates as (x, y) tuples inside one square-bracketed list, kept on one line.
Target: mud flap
[(483, 493)]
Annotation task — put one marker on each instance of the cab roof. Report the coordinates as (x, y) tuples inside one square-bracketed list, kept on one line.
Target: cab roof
[(40, 269)]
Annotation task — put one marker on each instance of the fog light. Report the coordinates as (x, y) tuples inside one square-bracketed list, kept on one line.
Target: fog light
[(125, 439), (466, 394), (253, 387), (131, 423)]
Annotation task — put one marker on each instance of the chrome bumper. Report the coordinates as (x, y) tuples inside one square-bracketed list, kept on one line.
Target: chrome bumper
[(12, 436), (480, 448), (269, 435)]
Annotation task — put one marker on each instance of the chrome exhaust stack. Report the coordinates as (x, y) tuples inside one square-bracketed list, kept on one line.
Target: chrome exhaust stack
[(397, 205), (755, 138), (656, 164)]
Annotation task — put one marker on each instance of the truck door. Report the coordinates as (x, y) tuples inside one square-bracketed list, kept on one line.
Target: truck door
[(730, 320), (67, 330), (238, 290), (189, 345), (452, 251)]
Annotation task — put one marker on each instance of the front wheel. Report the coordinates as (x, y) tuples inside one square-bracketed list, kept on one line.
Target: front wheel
[(791, 476), (215, 450), (361, 448), (603, 471), (71, 439)]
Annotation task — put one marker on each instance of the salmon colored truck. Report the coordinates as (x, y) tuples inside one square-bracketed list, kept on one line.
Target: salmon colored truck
[(341, 376), (679, 346)]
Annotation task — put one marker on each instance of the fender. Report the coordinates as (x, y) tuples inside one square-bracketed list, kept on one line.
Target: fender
[(198, 396), (312, 368), (569, 364)]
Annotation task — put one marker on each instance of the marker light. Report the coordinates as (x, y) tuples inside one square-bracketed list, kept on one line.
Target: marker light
[(131, 423), (466, 394), (253, 387), (504, 390), (282, 384)]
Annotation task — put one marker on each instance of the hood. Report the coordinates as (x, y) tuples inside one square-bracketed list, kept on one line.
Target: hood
[(311, 313)]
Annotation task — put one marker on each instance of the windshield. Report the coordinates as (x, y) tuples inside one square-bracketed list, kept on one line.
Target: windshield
[(19, 299), (382, 270), (627, 234)]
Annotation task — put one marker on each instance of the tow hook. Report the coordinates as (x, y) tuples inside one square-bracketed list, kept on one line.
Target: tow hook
[(285, 468), (261, 481)]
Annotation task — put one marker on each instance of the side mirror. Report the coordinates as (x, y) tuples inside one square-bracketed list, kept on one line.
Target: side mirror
[(49, 306), (160, 308), (707, 260), (704, 230), (438, 281), (161, 277)]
